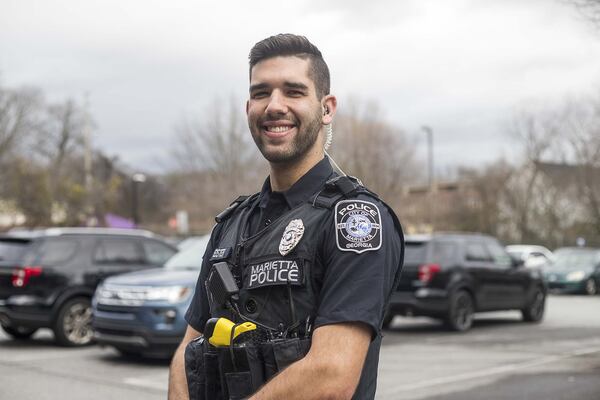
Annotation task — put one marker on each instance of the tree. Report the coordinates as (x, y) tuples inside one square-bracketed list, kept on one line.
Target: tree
[(555, 195), (582, 129), (29, 188), (215, 161), (218, 142), (537, 132), (18, 109), (60, 145), (367, 146), (589, 9), (479, 207)]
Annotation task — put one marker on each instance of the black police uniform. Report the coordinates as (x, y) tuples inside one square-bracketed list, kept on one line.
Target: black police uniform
[(343, 268)]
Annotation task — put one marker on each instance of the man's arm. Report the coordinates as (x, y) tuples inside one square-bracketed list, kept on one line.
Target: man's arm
[(178, 389), (330, 370)]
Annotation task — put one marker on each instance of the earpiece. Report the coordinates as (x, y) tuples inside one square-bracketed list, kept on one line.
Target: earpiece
[(325, 110)]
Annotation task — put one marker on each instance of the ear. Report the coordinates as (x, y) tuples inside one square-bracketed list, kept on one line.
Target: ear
[(247, 106), (329, 103)]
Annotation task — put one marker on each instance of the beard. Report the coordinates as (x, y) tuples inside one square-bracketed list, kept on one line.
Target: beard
[(305, 138)]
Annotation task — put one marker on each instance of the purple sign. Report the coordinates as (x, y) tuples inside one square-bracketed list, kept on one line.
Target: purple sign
[(115, 221)]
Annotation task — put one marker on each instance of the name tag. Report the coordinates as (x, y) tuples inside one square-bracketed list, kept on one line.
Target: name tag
[(221, 254), (275, 272)]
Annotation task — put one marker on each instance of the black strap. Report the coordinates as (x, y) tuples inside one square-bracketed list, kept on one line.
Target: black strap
[(226, 213), (336, 188)]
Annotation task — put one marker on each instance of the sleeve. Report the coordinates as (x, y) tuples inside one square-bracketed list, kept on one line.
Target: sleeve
[(361, 252), (198, 312)]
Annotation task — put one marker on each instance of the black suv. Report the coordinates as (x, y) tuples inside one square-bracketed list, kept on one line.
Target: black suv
[(451, 276), (48, 277)]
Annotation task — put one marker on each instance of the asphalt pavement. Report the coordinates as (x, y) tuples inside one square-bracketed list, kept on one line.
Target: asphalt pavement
[(500, 358)]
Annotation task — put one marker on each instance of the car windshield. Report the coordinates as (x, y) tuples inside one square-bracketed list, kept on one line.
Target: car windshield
[(191, 257), (576, 258), (440, 252), (11, 250)]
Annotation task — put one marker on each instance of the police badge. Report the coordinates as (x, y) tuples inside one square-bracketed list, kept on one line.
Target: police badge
[(291, 236)]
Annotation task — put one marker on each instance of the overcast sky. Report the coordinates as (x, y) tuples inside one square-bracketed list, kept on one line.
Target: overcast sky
[(459, 66)]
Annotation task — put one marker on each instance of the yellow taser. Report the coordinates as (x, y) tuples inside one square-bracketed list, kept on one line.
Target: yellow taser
[(218, 331)]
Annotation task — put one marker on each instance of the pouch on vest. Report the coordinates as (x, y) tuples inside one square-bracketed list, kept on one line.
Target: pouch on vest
[(243, 375), (202, 370), (239, 385), (279, 354), (194, 369), (213, 388)]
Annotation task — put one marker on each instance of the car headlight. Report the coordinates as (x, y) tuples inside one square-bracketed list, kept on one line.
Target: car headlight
[(172, 294), (575, 276)]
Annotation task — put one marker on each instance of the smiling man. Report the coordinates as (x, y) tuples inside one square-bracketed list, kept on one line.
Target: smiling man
[(315, 256)]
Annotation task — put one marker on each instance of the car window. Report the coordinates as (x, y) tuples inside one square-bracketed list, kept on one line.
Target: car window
[(157, 253), (113, 251), (577, 258), (191, 257), (414, 252), (56, 251), (501, 258), (442, 252), (477, 252), (12, 250)]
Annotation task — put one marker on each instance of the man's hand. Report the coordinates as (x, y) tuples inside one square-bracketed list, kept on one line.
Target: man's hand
[(178, 389), (330, 370)]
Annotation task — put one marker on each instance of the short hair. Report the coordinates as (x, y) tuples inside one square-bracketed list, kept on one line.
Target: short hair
[(287, 44)]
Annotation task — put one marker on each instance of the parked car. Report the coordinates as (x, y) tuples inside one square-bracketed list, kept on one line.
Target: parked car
[(532, 256), (190, 241), (575, 270), (48, 277), (142, 313), (452, 276)]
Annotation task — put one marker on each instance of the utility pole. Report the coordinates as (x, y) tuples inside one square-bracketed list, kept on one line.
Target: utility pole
[(136, 180), (430, 175), (87, 160)]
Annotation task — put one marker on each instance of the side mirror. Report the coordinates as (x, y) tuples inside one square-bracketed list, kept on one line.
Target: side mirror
[(517, 263)]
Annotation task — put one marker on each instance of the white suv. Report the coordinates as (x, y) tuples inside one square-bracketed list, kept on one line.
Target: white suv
[(531, 256)]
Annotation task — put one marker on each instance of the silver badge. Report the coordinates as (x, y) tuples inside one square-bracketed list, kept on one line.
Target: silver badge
[(291, 236)]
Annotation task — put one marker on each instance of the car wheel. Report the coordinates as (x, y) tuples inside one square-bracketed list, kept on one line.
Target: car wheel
[(73, 326), (591, 288), (460, 315), (19, 332), (387, 320), (534, 311)]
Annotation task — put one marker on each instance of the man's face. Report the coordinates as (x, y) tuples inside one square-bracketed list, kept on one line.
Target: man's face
[(284, 113)]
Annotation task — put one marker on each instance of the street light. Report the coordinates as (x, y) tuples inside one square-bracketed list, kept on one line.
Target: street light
[(136, 179)]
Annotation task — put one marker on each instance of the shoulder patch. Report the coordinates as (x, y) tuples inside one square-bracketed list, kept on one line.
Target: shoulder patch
[(357, 226)]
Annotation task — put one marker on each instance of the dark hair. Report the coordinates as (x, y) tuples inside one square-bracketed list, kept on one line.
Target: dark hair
[(287, 44)]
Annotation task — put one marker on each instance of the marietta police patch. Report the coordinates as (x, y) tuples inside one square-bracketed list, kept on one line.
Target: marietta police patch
[(358, 226), (274, 272)]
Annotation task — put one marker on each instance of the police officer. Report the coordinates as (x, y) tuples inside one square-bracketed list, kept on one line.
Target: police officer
[(316, 254)]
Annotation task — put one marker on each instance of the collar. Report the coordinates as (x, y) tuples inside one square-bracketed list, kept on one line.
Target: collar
[(301, 191)]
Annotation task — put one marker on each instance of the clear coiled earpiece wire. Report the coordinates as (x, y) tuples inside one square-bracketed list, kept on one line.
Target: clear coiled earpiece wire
[(328, 141)]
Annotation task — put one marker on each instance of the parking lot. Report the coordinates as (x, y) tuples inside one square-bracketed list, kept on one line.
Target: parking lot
[(500, 358)]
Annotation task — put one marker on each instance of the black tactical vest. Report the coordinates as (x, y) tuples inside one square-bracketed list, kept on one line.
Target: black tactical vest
[(279, 288), (265, 276)]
